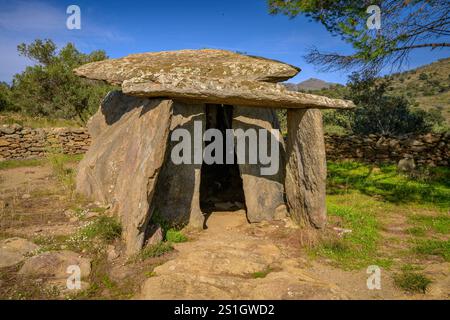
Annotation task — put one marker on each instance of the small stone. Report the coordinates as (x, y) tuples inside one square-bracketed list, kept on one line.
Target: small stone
[(55, 265), (112, 253), (406, 165), (156, 233)]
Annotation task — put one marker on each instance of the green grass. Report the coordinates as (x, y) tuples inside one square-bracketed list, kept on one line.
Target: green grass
[(433, 247), (439, 224), (357, 249), (412, 282), (35, 122), (11, 164), (430, 187), (104, 228), (154, 251), (261, 274), (175, 236)]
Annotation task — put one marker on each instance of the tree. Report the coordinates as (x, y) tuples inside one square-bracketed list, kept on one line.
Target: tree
[(405, 26), (5, 97), (378, 112), (50, 87)]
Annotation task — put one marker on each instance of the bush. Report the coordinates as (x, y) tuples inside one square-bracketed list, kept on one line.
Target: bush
[(50, 88), (380, 113)]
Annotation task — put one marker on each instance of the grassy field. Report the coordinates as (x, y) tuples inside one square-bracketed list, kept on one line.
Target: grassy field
[(395, 221)]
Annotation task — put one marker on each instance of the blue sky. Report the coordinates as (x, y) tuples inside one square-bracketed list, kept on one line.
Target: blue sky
[(124, 27)]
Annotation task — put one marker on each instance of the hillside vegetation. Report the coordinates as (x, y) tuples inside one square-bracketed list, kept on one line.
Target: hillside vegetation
[(427, 86)]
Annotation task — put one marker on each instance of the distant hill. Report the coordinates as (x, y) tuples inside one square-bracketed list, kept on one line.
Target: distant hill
[(429, 85), (311, 84)]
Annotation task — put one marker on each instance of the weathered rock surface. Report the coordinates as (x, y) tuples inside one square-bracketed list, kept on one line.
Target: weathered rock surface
[(122, 165), (227, 91), (306, 167), (13, 251), (221, 264), (54, 265), (206, 62), (177, 197), (263, 193)]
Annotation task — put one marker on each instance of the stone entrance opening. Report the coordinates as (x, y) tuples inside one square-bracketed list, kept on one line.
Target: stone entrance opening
[(221, 184)]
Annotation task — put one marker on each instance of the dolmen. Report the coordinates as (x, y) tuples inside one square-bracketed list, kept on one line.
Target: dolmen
[(192, 132)]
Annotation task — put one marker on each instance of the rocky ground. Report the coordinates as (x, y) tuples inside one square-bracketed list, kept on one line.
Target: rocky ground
[(44, 228)]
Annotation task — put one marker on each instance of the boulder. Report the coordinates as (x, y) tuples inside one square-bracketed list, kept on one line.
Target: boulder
[(14, 250), (263, 193), (177, 197), (206, 62), (227, 91), (54, 265), (306, 167), (123, 163)]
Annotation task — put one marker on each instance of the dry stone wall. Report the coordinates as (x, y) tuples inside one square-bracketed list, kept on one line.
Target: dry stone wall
[(17, 142), (428, 149)]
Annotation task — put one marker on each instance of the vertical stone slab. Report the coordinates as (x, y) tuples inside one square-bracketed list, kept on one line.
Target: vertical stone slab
[(178, 191), (264, 194), (306, 167), (125, 158)]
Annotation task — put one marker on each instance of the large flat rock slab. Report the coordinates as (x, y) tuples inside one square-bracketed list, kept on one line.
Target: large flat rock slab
[(206, 62), (227, 91), (223, 261)]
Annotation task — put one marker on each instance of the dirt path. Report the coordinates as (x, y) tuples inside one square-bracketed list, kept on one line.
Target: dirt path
[(235, 260)]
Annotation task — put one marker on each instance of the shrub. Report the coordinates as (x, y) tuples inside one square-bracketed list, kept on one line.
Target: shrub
[(412, 282), (175, 236)]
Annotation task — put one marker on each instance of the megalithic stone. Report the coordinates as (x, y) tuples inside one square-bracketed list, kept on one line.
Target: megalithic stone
[(305, 180), (122, 165)]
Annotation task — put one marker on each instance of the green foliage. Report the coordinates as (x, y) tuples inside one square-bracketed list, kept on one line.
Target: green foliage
[(5, 97), (51, 89), (423, 76), (405, 26), (378, 112), (412, 282), (104, 228), (261, 274), (154, 251), (175, 236)]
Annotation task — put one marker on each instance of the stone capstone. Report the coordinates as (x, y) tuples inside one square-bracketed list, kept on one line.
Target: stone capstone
[(206, 62)]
